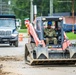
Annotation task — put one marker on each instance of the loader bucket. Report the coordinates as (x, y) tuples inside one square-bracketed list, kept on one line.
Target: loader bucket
[(72, 51), (53, 62), (43, 56)]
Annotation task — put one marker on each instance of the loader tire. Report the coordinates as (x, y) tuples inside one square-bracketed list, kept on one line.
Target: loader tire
[(26, 53)]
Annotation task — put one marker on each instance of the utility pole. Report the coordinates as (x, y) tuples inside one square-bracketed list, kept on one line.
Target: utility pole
[(73, 15), (73, 8), (31, 11), (9, 3), (35, 11), (51, 7)]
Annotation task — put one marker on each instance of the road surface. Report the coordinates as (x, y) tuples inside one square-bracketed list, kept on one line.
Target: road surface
[(12, 63)]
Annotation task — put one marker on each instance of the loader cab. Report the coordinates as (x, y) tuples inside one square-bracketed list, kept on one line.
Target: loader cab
[(54, 22)]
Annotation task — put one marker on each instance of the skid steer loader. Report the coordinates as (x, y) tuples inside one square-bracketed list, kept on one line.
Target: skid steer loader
[(37, 52)]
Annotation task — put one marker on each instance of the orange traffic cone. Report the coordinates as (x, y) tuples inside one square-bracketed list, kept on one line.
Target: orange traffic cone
[(20, 37)]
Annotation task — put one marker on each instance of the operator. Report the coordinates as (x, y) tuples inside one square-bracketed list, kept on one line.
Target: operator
[(50, 34)]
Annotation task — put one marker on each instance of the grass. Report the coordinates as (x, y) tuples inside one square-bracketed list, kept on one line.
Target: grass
[(71, 35), (23, 31)]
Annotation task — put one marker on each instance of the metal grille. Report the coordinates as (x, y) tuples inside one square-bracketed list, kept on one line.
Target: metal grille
[(5, 32)]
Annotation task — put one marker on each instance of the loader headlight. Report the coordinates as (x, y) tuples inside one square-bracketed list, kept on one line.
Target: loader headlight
[(43, 19), (60, 18)]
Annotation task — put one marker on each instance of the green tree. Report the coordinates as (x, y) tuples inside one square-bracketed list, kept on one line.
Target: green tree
[(42, 6), (22, 8)]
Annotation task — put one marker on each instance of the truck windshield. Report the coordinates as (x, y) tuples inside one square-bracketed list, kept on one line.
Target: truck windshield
[(7, 22)]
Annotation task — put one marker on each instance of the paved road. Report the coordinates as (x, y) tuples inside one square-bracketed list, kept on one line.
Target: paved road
[(12, 63)]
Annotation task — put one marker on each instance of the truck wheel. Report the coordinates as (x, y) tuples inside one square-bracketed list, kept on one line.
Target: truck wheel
[(10, 44), (16, 43)]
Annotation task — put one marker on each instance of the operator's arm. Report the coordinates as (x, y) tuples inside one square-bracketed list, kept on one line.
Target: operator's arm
[(45, 32)]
